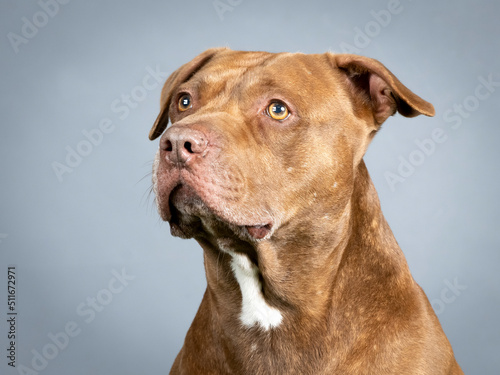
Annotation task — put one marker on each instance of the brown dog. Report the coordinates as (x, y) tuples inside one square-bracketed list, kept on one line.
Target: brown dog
[(263, 167)]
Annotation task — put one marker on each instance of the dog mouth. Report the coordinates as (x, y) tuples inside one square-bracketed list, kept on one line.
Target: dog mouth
[(259, 232), (181, 225), (189, 216)]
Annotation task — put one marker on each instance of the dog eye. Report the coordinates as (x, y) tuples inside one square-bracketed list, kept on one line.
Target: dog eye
[(278, 111), (184, 102)]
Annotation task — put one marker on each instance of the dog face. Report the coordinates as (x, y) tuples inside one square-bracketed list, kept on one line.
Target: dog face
[(264, 142)]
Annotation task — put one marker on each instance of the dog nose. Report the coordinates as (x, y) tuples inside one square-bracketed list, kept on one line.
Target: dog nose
[(181, 144)]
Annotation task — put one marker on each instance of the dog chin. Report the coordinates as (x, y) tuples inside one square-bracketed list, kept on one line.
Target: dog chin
[(183, 210), (190, 217)]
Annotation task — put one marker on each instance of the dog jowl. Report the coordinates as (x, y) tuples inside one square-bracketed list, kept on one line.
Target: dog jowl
[(263, 166)]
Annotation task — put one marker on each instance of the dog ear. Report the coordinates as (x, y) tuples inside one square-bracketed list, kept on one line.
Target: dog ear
[(183, 74), (377, 86)]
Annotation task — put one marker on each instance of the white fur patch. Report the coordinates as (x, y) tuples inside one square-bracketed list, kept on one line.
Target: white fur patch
[(254, 308)]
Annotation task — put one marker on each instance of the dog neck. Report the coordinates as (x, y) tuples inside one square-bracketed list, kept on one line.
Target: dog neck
[(257, 290)]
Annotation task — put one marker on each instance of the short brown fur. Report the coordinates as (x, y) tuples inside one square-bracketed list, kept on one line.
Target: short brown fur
[(329, 261)]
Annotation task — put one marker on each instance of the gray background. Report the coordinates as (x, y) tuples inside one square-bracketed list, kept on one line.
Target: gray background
[(66, 237)]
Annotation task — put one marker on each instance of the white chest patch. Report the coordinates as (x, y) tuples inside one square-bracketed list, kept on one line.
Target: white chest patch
[(254, 309)]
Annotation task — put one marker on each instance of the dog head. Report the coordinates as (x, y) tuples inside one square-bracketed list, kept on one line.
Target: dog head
[(262, 141)]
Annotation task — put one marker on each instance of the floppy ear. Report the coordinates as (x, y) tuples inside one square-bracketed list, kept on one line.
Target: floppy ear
[(184, 73), (378, 88)]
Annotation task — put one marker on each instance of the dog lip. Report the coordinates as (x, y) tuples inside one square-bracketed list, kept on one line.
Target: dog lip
[(168, 211), (173, 208), (255, 232), (170, 206), (258, 232)]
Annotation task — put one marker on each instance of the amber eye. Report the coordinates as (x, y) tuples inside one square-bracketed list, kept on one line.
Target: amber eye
[(184, 102), (278, 111)]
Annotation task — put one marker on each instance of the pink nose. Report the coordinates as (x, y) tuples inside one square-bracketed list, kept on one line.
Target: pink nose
[(181, 144)]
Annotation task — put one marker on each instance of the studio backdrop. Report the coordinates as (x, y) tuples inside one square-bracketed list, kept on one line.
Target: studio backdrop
[(91, 280)]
